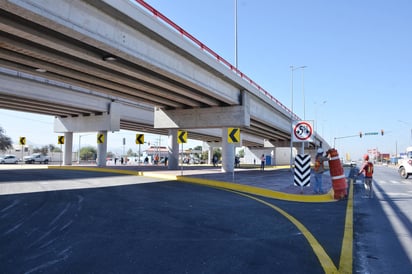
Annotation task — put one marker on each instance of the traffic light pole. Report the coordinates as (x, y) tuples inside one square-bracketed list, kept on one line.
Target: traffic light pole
[(350, 136), (360, 135)]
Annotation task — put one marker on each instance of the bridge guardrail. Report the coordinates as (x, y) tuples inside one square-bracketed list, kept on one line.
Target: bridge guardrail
[(220, 59)]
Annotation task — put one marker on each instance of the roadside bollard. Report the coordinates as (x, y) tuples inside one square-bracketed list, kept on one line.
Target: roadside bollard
[(339, 183)]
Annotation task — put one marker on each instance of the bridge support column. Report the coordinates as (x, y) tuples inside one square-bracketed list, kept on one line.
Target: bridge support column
[(228, 153), (210, 155), (173, 150), (68, 148), (102, 150)]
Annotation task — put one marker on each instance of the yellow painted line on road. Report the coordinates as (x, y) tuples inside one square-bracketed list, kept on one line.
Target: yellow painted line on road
[(260, 191), (328, 197), (346, 256), (99, 169), (324, 259), (345, 263)]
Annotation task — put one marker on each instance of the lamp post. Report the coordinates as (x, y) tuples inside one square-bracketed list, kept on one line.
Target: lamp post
[(303, 91), (316, 113), (292, 69), (236, 47), (78, 153)]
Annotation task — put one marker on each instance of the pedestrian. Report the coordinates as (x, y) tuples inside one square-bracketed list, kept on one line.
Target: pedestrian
[(367, 169), (237, 161), (262, 162), (214, 160), (319, 168)]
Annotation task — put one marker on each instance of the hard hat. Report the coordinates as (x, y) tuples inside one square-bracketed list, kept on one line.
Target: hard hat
[(366, 157), (320, 150)]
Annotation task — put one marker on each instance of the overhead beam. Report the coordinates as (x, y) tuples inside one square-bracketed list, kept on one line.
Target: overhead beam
[(216, 117)]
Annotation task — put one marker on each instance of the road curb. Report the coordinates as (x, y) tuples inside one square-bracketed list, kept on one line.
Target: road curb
[(328, 197)]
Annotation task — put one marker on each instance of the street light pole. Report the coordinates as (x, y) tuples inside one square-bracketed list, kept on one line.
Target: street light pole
[(78, 153), (236, 47), (303, 91), (316, 113), (292, 69), (304, 105)]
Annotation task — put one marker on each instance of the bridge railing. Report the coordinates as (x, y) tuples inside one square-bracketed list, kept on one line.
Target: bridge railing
[(220, 59)]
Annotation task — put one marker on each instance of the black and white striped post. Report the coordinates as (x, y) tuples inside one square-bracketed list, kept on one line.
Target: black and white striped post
[(302, 171)]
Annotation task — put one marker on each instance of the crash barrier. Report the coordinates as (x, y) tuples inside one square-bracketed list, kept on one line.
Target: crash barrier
[(339, 183)]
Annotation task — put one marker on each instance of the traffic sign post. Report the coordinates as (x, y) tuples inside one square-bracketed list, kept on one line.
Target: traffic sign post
[(100, 138), (181, 139), (140, 141), (181, 136), (233, 135), (302, 132), (22, 142), (60, 141)]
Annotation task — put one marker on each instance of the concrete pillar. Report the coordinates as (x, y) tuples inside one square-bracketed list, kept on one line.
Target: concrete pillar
[(102, 149), (228, 153), (210, 155), (68, 148), (173, 150)]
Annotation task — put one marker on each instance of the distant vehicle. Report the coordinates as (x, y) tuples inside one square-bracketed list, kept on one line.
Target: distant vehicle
[(8, 159), (405, 164), (350, 164), (37, 158)]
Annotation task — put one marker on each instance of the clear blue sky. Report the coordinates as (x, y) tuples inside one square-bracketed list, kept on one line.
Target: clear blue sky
[(358, 56)]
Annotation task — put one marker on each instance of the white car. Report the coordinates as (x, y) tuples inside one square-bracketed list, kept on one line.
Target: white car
[(8, 159), (405, 164)]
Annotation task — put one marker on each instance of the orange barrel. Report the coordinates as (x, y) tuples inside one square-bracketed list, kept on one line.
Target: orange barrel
[(339, 183)]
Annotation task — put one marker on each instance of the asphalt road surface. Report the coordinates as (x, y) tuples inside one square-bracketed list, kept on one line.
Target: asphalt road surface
[(383, 225), (59, 221)]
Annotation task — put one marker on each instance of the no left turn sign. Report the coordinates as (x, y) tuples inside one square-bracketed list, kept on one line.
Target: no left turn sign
[(302, 131)]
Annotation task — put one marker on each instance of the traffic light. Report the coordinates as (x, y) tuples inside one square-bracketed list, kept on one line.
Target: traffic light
[(360, 134), (382, 132)]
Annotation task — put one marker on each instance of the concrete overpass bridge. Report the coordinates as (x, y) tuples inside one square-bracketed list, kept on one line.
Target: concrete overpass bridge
[(109, 65)]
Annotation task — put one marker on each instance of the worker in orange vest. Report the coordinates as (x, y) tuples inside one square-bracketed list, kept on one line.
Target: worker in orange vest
[(319, 169), (367, 169)]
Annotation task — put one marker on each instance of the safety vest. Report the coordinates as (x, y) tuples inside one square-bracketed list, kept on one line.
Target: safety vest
[(369, 170), (318, 164)]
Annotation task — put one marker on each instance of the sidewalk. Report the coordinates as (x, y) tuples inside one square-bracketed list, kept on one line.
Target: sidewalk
[(272, 178)]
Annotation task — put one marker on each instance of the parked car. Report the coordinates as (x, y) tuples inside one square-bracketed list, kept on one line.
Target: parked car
[(37, 158), (8, 159)]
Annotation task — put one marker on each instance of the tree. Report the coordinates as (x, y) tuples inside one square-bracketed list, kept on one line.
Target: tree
[(55, 149), (43, 150), (218, 153), (46, 149), (88, 153), (130, 153), (5, 141), (205, 155), (198, 148)]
